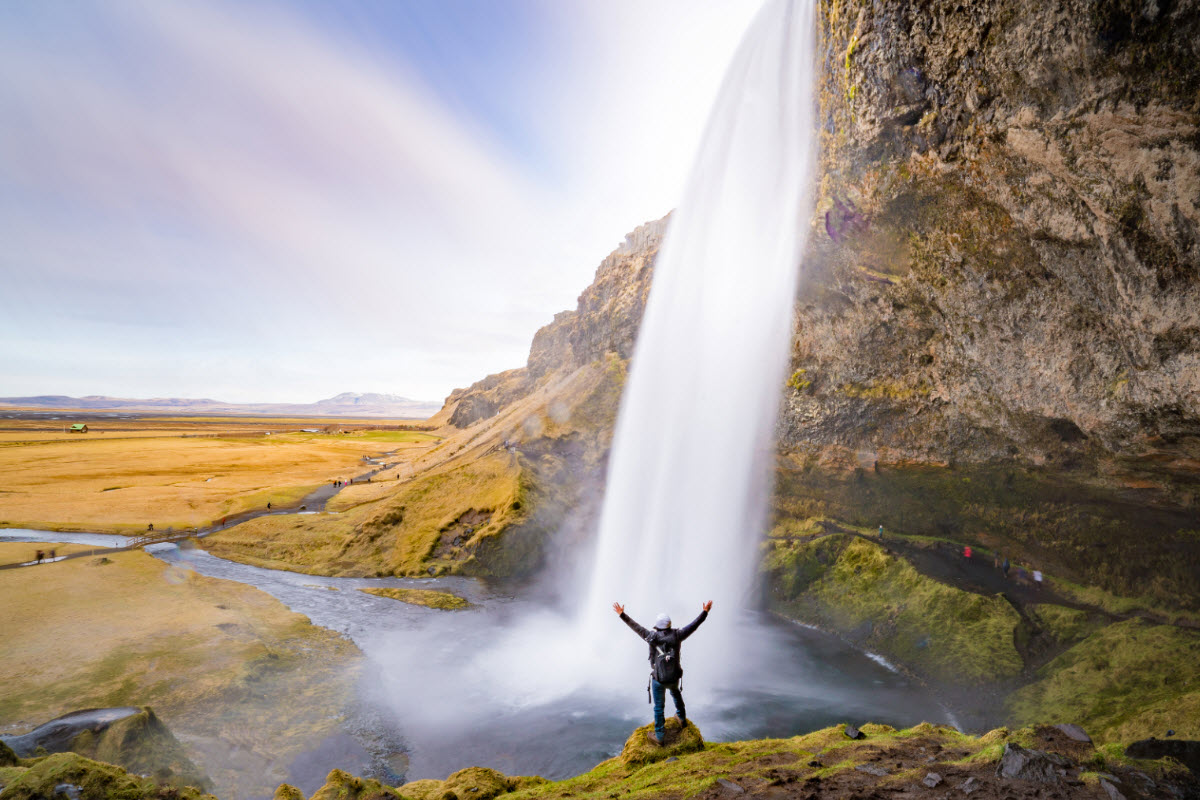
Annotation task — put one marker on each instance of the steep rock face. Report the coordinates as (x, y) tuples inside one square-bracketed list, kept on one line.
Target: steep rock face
[(1005, 264), (605, 320)]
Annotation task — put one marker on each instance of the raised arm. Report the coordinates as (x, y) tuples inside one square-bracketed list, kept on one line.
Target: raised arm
[(638, 629), (690, 628)]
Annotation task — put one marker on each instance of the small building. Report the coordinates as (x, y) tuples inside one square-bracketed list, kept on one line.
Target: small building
[(79, 427)]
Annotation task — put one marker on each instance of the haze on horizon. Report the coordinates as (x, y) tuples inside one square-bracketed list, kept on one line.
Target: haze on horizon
[(279, 202)]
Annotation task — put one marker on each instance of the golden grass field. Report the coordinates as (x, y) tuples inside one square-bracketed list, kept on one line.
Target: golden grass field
[(124, 480), (244, 683), (387, 528)]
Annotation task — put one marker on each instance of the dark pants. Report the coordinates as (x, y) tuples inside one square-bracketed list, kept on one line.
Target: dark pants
[(659, 692)]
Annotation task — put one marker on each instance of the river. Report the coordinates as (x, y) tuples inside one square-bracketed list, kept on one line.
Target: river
[(446, 690)]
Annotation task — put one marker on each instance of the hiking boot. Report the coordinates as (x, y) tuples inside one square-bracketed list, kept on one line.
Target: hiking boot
[(682, 720), (654, 737)]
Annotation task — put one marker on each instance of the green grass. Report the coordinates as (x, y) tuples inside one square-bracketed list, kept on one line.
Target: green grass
[(850, 585), (1127, 681), (1065, 625)]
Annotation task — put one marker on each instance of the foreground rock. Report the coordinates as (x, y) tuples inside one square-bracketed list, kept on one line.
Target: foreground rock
[(132, 738), (678, 740)]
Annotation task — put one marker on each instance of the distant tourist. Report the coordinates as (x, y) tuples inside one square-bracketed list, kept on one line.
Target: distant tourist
[(1022, 575), (1037, 578), (666, 669), (268, 505), (967, 551), (880, 531), (40, 555), (150, 527), (53, 554), (1005, 567)]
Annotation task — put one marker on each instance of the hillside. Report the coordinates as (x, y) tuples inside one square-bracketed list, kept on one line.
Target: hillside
[(346, 404)]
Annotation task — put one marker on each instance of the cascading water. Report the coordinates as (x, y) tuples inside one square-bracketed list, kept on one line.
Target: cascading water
[(686, 494), (531, 689)]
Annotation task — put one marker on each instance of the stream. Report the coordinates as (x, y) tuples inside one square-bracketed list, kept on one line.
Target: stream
[(446, 690)]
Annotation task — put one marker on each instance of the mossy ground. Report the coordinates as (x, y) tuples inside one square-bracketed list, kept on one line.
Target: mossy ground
[(1060, 523), (851, 585), (430, 598), (38, 779), (1127, 681)]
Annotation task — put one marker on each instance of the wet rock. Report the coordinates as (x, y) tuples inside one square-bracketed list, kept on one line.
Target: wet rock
[(1112, 791), (672, 758), (1182, 750), (731, 786), (1030, 765), (69, 790), (854, 733), (932, 780), (1075, 732), (871, 769), (969, 785)]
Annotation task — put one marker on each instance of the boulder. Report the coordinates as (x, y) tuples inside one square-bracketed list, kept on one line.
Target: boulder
[(1186, 752), (341, 785), (288, 792), (640, 748), (932, 780), (1112, 791), (1030, 765), (854, 733), (1075, 732)]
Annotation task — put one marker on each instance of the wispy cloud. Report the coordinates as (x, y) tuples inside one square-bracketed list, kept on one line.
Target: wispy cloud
[(237, 189)]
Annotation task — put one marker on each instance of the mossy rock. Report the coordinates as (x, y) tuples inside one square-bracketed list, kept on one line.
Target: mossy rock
[(96, 781), (287, 792), (641, 749), (7, 757), (472, 783), (344, 786), (142, 744)]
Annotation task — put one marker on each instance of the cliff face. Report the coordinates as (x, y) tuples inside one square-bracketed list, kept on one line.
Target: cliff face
[(1005, 263), (604, 321)]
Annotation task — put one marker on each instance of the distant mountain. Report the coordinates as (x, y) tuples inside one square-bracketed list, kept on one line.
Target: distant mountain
[(346, 404)]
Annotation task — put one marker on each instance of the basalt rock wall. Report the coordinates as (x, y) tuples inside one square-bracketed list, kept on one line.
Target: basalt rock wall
[(1005, 263)]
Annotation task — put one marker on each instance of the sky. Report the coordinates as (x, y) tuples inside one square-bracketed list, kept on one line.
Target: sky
[(262, 201)]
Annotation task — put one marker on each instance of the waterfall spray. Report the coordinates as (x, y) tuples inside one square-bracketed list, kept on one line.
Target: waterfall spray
[(687, 484)]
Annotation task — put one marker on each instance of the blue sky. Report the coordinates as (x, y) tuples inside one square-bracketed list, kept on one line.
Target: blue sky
[(262, 201)]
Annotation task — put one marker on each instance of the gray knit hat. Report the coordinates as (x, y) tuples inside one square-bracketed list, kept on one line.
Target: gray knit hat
[(663, 622)]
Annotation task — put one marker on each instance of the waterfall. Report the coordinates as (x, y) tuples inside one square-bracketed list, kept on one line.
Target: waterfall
[(686, 496)]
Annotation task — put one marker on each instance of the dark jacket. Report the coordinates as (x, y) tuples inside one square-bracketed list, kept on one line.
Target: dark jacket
[(671, 636)]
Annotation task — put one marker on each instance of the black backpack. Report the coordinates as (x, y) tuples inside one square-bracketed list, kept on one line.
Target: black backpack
[(664, 661)]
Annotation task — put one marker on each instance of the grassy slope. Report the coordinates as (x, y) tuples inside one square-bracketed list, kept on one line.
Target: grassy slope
[(1127, 681), (851, 585), (429, 598), (398, 534), (224, 665)]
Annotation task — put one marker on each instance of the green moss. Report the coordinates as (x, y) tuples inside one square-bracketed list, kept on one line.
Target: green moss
[(1065, 625), (429, 598), (1125, 682), (799, 380), (640, 749), (7, 757), (341, 785), (97, 781), (287, 792), (472, 783), (851, 585), (141, 744)]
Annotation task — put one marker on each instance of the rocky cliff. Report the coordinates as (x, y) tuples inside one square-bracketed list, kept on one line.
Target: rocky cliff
[(1006, 260)]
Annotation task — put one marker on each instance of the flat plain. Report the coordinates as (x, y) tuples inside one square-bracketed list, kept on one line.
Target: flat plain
[(179, 472)]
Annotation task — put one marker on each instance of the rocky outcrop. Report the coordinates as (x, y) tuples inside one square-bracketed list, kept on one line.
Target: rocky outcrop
[(133, 738), (604, 321), (1006, 260)]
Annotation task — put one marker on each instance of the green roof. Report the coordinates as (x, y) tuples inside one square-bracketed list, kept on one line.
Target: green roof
[(78, 426)]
